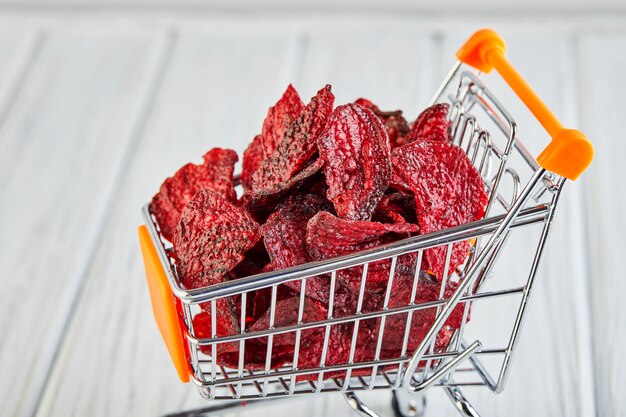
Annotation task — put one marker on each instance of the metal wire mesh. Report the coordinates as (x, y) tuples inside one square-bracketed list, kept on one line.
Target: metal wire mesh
[(487, 133)]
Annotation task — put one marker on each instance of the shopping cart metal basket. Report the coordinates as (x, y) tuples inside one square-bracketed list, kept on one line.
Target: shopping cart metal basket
[(523, 195)]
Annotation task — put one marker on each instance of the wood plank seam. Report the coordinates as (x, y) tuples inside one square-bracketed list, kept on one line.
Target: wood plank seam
[(162, 58)]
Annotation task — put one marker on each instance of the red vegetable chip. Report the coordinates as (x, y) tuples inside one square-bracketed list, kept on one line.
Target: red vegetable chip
[(355, 148), (226, 324), (216, 174), (284, 235), (279, 118), (262, 201), (297, 147), (263, 299), (448, 192), (254, 261), (211, 239), (338, 350), (252, 158), (255, 349), (431, 124), (286, 314), (397, 207), (329, 236), (395, 124), (421, 320)]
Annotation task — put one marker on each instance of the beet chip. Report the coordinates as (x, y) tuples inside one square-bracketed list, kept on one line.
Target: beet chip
[(396, 207), (284, 235), (431, 124), (252, 158), (448, 192), (355, 148), (421, 320), (338, 350), (395, 124), (279, 117), (264, 200), (286, 314), (216, 174), (211, 238), (297, 147), (226, 324), (329, 236)]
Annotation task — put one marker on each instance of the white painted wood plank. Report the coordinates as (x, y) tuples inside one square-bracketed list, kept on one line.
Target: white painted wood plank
[(388, 67), (60, 149), (550, 373), (215, 93), (602, 87), (18, 51)]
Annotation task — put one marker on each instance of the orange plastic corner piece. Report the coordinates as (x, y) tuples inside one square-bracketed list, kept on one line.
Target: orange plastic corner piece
[(163, 305), (568, 155), (476, 50)]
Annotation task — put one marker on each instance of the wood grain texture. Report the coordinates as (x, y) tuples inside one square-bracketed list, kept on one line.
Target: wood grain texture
[(601, 116), (61, 146), (215, 93)]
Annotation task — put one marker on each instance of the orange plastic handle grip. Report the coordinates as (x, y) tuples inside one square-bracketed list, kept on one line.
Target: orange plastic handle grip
[(163, 305), (570, 152)]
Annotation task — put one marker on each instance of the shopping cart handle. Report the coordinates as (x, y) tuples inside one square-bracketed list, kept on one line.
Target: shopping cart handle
[(163, 305), (570, 152)]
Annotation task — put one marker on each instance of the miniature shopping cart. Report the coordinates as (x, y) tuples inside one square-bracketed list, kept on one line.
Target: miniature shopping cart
[(523, 196)]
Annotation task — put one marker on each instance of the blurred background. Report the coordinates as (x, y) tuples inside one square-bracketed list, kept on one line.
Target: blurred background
[(101, 100)]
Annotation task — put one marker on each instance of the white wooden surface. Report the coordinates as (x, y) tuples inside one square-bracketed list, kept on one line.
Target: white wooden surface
[(96, 110)]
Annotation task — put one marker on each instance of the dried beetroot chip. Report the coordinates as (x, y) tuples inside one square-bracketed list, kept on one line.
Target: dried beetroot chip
[(297, 147), (418, 333), (448, 192), (428, 290), (252, 158), (395, 124), (431, 124), (356, 151), (254, 357), (329, 236), (254, 261), (211, 239), (262, 201), (226, 324), (255, 349), (263, 299), (396, 207), (338, 351), (279, 118), (284, 235), (284, 232), (286, 314), (216, 174)]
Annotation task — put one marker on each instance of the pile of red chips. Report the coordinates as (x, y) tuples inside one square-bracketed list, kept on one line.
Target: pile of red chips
[(319, 182)]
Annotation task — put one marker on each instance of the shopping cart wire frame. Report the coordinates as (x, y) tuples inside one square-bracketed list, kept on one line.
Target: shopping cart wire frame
[(521, 203)]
